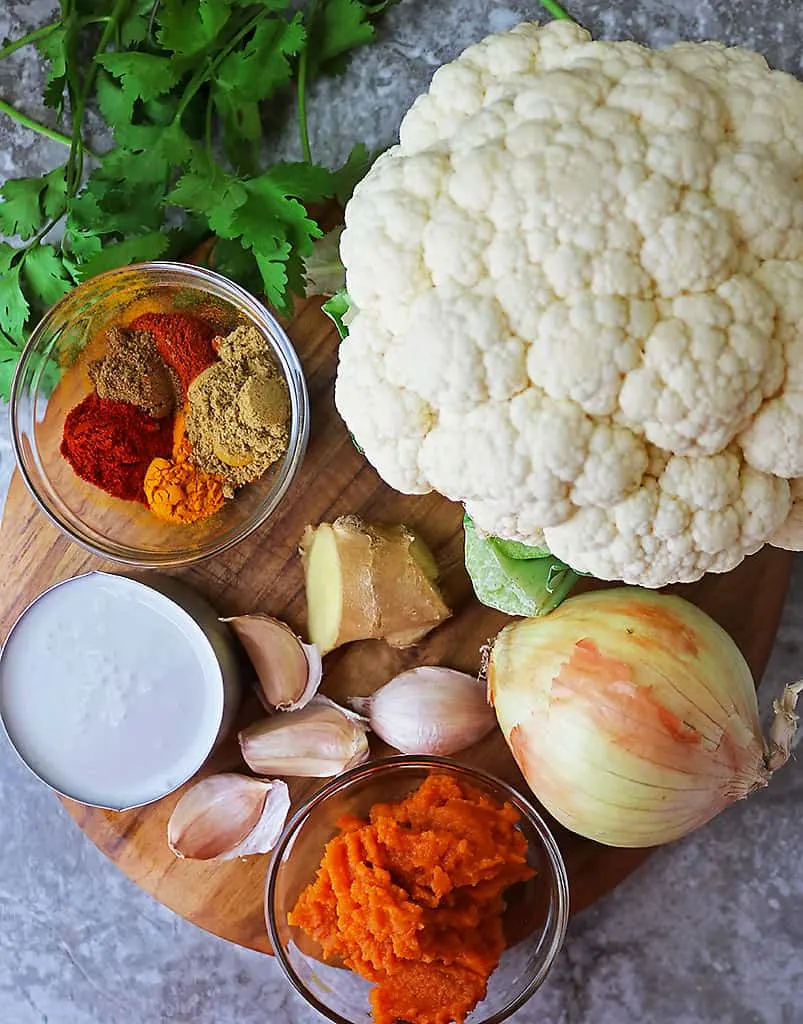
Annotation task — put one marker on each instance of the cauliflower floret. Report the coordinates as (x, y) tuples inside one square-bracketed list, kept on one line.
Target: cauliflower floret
[(579, 283), (703, 514), (463, 87), (789, 534), (393, 422), (705, 369), (773, 441)]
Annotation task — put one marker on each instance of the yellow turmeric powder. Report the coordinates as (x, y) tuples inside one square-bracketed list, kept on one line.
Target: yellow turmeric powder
[(182, 449), (178, 492), (175, 489)]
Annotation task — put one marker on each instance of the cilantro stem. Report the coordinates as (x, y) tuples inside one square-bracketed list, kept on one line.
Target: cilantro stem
[(208, 122), (303, 127), (36, 126), (39, 235), (31, 37), (75, 164), (555, 9)]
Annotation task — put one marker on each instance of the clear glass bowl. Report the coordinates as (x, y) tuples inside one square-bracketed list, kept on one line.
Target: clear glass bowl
[(535, 920), (52, 377)]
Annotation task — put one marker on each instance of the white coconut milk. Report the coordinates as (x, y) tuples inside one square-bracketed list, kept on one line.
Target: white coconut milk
[(110, 691)]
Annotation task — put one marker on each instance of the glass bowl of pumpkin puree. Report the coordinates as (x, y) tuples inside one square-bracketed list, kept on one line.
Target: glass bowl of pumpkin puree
[(418, 890), (103, 409)]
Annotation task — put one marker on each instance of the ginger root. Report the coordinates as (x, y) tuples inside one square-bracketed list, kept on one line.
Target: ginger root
[(369, 581)]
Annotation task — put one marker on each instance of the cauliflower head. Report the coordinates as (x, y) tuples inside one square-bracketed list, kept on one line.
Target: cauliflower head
[(577, 287)]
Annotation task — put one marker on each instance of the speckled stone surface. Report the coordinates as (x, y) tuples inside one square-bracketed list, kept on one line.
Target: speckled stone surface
[(710, 931)]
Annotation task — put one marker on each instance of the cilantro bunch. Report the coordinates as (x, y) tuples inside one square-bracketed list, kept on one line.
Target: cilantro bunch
[(185, 87)]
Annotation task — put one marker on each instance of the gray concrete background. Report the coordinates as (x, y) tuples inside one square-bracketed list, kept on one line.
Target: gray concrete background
[(710, 930)]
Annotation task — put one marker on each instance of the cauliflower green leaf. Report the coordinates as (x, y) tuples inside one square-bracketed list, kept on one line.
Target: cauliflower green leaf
[(518, 584)]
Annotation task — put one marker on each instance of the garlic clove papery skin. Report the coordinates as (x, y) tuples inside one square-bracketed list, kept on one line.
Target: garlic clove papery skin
[(288, 671), (318, 741), (632, 715), (429, 710), (227, 816), (314, 675)]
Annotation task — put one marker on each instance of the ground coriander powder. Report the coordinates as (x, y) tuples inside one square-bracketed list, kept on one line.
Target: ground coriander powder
[(238, 411)]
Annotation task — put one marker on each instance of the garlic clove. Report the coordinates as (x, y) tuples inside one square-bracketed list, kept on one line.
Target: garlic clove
[(265, 835), (228, 815), (314, 676), (353, 714), (429, 710), (289, 671), (318, 741)]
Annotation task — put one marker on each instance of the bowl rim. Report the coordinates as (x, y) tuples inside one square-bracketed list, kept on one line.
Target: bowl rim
[(422, 761), (292, 372)]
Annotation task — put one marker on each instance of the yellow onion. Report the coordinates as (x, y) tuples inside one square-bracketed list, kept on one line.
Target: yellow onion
[(633, 715)]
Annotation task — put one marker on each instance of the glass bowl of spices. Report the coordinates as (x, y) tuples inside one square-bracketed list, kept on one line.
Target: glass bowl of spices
[(416, 889), (159, 414)]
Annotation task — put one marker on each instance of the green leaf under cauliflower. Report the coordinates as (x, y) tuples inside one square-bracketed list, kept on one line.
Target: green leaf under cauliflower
[(517, 585)]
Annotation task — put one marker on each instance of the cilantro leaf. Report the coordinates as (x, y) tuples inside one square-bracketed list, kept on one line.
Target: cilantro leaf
[(8, 350), (126, 208), (228, 257), (353, 170), (143, 75), (309, 182), (81, 244), (257, 70), (133, 250), (14, 308), (53, 47), (208, 190), (296, 280), (188, 26), (54, 194), (28, 203), (262, 214), (137, 24), (45, 275), (114, 102), (242, 123), (9, 356), (149, 158), (20, 211), (250, 75), (338, 26), (46, 370), (271, 215), (273, 271)]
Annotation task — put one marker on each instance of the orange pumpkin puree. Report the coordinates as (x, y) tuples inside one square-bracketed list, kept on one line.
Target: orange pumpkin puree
[(413, 899)]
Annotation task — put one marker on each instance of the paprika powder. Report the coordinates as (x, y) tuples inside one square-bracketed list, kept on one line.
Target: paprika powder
[(111, 444), (182, 340)]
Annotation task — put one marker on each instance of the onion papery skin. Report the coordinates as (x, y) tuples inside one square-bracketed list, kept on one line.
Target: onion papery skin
[(631, 714)]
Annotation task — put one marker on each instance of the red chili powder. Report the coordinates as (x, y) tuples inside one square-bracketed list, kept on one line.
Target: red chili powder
[(183, 341), (111, 444)]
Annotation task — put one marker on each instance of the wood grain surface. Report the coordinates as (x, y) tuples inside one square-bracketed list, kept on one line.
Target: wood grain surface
[(264, 574)]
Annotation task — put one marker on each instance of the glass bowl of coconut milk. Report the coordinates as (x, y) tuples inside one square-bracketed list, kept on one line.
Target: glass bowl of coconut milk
[(114, 691)]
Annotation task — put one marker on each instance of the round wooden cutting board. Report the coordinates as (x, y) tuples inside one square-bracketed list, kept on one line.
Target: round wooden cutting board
[(264, 574)]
